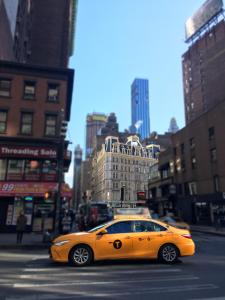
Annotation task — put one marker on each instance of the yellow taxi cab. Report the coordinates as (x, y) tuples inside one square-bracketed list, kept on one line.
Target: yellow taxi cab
[(131, 238)]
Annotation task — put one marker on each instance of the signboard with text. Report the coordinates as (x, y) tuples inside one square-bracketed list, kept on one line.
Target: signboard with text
[(27, 151), (9, 189), (204, 14)]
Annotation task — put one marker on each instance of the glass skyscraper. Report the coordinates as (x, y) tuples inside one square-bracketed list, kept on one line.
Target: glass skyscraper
[(140, 121)]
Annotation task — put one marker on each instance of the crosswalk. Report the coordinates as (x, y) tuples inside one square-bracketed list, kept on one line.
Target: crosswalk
[(41, 279)]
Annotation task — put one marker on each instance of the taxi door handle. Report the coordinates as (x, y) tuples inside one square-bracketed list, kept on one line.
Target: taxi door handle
[(127, 237), (160, 235)]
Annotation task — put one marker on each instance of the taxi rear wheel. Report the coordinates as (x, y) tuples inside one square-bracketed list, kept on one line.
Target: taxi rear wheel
[(168, 253), (80, 256)]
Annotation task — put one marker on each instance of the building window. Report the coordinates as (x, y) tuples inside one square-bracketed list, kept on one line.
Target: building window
[(15, 169), (5, 87), (32, 170), (192, 143), (211, 133), (53, 92), (182, 148), (50, 125), (2, 168), (193, 162), (175, 151), (29, 90), (192, 188), (183, 168), (26, 123), (3, 121), (216, 183), (213, 155)]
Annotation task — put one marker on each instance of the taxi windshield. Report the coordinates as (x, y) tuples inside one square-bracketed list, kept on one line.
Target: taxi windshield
[(99, 227)]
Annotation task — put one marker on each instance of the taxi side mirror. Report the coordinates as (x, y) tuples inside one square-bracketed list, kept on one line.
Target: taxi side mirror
[(103, 231)]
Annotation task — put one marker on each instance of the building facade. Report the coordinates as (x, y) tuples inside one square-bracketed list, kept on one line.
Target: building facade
[(45, 31), (94, 122), (140, 107), (120, 171), (77, 176), (204, 72), (8, 13), (33, 103)]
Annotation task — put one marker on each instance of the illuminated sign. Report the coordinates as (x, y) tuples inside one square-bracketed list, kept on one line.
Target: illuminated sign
[(203, 15)]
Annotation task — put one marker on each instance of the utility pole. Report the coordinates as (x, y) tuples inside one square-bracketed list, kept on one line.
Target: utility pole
[(61, 144)]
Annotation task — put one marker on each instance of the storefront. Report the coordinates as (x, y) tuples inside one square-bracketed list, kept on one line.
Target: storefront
[(26, 174), (29, 198)]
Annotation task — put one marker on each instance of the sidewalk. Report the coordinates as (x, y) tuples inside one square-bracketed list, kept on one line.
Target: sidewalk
[(30, 241), (208, 230)]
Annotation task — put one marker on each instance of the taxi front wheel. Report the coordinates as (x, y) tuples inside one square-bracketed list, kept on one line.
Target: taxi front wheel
[(80, 256), (168, 253)]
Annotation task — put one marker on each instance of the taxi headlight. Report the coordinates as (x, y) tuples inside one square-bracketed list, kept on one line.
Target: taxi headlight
[(60, 243)]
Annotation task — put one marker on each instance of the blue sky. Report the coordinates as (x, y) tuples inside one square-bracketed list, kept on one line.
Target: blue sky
[(118, 40)]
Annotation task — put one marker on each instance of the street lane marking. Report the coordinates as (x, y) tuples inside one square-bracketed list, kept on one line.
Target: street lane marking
[(164, 279)]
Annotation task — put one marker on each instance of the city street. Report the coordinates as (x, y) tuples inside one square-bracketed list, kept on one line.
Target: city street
[(31, 275)]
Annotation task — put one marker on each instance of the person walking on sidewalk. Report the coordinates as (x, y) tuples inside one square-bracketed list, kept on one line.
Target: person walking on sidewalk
[(21, 224)]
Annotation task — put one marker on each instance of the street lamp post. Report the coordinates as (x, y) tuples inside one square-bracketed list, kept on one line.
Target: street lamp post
[(63, 129), (122, 195)]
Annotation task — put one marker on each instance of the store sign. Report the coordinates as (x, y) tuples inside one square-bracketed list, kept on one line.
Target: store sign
[(12, 189), (27, 151)]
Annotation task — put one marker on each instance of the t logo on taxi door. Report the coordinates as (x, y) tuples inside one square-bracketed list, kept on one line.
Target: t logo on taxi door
[(117, 244)]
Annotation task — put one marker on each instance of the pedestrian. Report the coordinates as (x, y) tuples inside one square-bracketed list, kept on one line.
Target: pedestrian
[(66, 223), (21, 224)]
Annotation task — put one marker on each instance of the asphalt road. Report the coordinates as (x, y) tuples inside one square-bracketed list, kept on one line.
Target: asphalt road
[(31, 275)]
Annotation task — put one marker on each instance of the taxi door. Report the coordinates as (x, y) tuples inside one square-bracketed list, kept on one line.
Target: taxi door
[(116, 243), (148, 238)]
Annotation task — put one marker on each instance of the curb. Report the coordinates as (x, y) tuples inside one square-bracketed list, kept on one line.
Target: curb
[(208, 232), (24, 246)]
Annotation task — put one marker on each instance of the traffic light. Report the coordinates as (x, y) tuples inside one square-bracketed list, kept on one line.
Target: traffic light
[(48, 195), (63, 128)]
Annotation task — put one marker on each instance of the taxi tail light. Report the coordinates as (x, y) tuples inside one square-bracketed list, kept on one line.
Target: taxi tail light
[(187, 236)]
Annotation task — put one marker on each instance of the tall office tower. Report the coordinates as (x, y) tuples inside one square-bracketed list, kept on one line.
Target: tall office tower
[(94, 122), (140, 107), (8, 12), (173, 126), (45, 32), (77, 176), (204, 62)]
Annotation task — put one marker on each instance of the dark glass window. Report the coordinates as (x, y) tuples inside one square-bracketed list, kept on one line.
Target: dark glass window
[(5, 87), (192, 143), (29, 90), (15, 169), (216, 183), (211, 133), (49, 170), (26, 123), (182, 148), (145, 226), (53, 92), (193, 162), (3, 121), (3, 163), (50, 125), (32, 170), (120, 227), (213, 155)]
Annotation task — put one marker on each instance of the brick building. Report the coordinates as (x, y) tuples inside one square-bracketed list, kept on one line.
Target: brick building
[(204, 72), (31, 102)]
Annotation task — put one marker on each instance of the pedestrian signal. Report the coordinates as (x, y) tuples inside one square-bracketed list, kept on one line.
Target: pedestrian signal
[(48, 195)]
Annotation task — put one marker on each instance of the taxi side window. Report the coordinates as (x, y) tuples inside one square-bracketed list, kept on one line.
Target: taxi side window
[(145, 226), (120, 227)]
